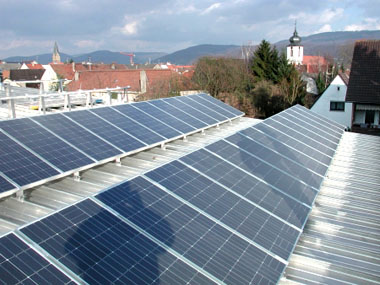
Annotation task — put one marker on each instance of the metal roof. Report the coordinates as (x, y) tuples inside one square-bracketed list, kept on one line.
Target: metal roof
[(341, 241)]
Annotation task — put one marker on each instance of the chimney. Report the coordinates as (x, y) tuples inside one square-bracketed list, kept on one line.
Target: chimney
[(76, 76), (73, 65), (113, 66)]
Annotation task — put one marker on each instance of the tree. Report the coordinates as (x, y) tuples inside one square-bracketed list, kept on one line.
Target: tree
[(264, 63), (267, 99), (293, 89)]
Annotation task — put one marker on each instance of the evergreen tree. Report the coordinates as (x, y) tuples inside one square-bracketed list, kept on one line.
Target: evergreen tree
[(262, 65)]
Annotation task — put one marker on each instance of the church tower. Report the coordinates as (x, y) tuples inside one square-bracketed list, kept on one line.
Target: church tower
[(56, 56), (295, 49)]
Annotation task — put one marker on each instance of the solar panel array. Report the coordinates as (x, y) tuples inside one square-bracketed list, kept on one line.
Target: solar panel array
[(229, 213), (38, 148)]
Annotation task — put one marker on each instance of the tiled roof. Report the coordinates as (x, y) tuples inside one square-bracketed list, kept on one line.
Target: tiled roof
[(34, 66), (26, 74), (67, 70), (344, 77), (106, 79), (364, 83)]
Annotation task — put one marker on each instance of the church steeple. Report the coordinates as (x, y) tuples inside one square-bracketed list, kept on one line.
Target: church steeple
[(295, 49), (56, 55), (295, 40)]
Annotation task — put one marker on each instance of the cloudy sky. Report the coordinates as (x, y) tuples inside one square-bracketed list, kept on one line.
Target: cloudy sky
[(29, 27)]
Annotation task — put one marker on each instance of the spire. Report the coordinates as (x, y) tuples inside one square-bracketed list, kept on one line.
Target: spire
[(56, 55), (55, 50), (295, 40)]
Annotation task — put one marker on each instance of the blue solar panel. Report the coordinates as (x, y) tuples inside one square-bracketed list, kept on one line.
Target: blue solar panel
[(304, 122), (19, 264), (5, 185), (178, 113), (300, 158), (320, 119), (260, 193), (77, 136), (100, 248), (190, 110), (158, 114), (272, 176), (20, 165), (202, 108), (295, 133), (275, 159), (225, 206), (45, 144), (105, 130), (292, 142), (128, 125), (207, 244), (215, 107), (290, 122), (227, 107), (148, 121)]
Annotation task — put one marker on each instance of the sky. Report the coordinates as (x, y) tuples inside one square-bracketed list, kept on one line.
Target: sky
[(30, 27)]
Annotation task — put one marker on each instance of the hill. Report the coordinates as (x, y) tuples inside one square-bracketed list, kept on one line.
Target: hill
[(104, 56), (191, 54)]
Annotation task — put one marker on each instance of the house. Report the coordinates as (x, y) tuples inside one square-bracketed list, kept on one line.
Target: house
[(364, 86), (331, 104), (17, 75), (31, 65)]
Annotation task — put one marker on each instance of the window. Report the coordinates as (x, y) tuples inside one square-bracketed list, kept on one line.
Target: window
[(336, 106), (338, 88)]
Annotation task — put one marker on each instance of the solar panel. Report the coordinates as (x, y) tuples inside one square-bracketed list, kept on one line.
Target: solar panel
[(191, 111), (303, 137), (193, 121), (292, 142), (202, 108), (45, 144), (105, 130), (5, 185), (257, 191), (148, 121), (213, 106), (101, 248), (322, 129), (161, 115), (77, 136), (215, 101), (300, 158), (19, 264), (20, 165), (128, 125), (208, 245), (327, 139), (220, 203), (270, 157), (320, 119), (274, 177)]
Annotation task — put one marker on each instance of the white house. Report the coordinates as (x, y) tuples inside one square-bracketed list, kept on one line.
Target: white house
[(331, 104)]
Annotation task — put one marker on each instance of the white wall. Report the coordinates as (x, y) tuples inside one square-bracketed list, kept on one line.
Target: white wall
[(322, 106), (48, 76), (297, 57)]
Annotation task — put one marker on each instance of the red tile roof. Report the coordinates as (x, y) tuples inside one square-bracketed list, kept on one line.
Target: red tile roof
[(34, 66), (106, 79), (67, 70)]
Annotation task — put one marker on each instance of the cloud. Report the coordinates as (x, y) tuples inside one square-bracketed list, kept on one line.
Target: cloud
[(324, 29), (89, 44), (366, 24), (211, 8), (323, 17), (130, 28)]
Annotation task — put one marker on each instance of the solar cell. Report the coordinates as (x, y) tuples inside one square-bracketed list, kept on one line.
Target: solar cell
[(210, 246), (77, 136), (101, 248), (105, 130), (294, 143), (303, 137), (45, 144), (193, 121), (202, 108), (128, 125), (288, 184), (225, 206), (161, 115), (19, 264), (20, 165), (270, 198), (213, 106), (320, 119), (5, 185), (275, 159), (148, 121), (215, 101), (190, 110), (300, 158)]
